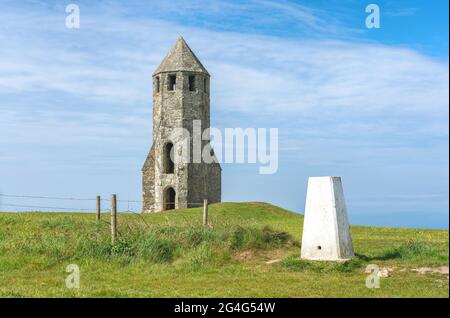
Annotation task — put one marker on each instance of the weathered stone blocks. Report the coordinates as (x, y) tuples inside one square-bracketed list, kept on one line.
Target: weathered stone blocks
[(180, 97)]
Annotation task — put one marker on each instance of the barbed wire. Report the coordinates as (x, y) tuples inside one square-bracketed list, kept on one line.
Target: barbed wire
[(58, 208), (44, 197), (62, 198), (79, 199), (45, 207)]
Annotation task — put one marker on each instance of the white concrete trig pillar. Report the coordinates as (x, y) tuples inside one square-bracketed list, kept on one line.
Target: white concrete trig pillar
[(326, 231)]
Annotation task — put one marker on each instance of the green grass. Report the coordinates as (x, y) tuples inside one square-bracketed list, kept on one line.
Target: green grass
[(171, 254)]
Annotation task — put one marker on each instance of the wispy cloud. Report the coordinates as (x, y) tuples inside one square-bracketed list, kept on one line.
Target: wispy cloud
[(340, 103), (341, 80)]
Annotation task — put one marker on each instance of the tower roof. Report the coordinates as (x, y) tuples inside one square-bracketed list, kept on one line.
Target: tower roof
[(180, 58)]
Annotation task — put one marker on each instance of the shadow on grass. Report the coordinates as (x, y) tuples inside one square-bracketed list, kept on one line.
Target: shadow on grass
[(411, 250), (295, 264)]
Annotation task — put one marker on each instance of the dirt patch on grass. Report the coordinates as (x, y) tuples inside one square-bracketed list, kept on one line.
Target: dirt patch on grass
[(268, 257), (440, 270), (385, 271), (382, 271), (245, 255), (273, 261)]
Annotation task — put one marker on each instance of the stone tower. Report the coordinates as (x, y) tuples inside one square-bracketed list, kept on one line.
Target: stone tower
[(172, 175)]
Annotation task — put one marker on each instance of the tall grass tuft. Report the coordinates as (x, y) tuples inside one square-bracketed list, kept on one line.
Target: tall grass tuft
[(154, 248), (138, 242), (252, 237), (415, 250)]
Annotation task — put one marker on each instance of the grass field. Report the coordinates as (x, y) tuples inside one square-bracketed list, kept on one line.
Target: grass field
[(249, 250)]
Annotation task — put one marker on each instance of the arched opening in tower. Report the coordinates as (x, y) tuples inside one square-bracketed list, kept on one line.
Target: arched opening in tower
[(169, 165), (169, 199)]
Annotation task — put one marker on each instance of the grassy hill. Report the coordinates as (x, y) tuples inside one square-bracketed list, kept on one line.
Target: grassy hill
[(249, 250)]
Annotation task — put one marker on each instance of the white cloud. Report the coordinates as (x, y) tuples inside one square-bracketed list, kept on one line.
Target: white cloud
[(82, 98), (109, 62), (250, 72)]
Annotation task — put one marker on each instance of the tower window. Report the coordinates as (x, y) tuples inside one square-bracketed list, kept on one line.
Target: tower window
[(168, 163), (172, 85), (157, 84), (205, 85), (192, 83)]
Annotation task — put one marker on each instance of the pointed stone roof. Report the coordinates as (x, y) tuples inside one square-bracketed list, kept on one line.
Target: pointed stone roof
[(180, 58)]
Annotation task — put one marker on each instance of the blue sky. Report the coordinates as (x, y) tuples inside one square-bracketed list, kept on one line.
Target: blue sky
[(370, 105)]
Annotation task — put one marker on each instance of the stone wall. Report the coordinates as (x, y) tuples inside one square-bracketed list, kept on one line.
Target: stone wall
[(148, 182)]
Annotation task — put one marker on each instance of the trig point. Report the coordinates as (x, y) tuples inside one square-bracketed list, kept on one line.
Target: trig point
[(326, 232)]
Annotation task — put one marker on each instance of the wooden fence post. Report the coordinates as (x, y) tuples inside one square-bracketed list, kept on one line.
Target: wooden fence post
[(113, 218), (205, 212), (97, 215)]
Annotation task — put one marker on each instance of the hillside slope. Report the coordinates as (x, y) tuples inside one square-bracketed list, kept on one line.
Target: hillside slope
[(249, 250)]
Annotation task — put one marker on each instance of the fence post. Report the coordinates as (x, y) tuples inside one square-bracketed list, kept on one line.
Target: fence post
[(205, 212), (97, 215), (113, 218)]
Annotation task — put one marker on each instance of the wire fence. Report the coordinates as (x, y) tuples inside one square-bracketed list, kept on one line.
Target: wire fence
[(95, 203), (42, 203), (45, 207), (8, 203)]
